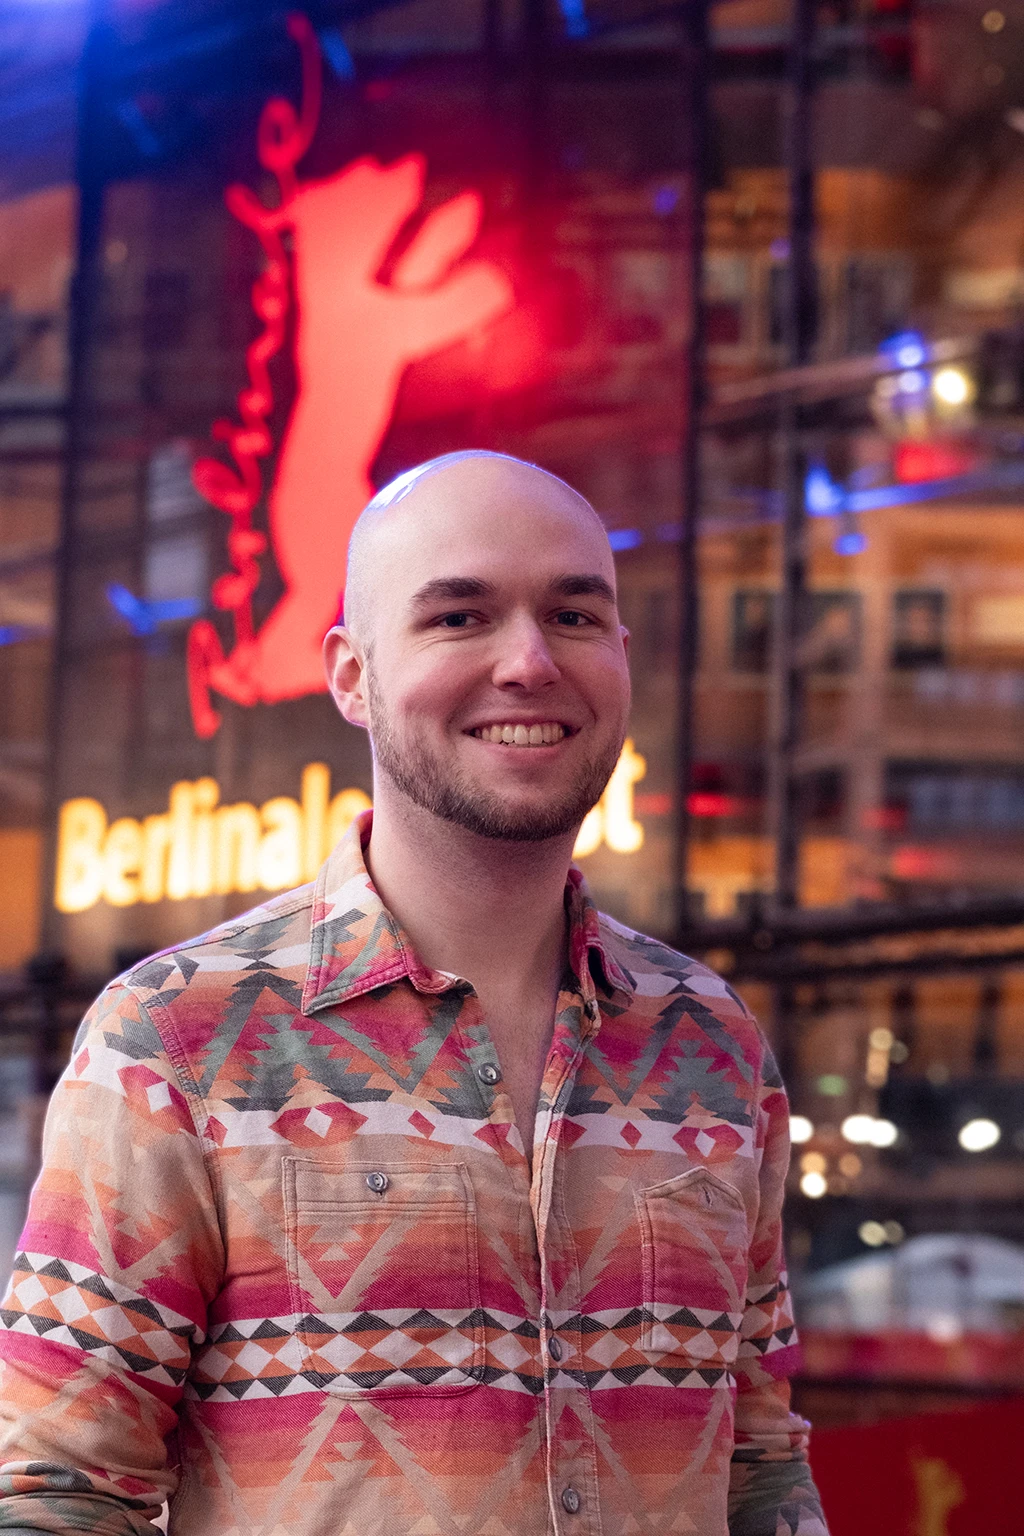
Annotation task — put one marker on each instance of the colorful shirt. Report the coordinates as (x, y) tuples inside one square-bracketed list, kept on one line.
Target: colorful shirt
[(287, 1267)]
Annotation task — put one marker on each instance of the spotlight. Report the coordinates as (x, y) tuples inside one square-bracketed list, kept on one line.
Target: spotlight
[(979, 1135), (883, 1133), (813, 1185), (907, 350), (800, 1129), (952, 386), (858, 1129)]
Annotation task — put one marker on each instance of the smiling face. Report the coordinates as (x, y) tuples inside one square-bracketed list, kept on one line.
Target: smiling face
[(485, 655)]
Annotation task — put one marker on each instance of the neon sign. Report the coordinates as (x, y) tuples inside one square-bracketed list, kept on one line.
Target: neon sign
[(354, 337), (198, 847)]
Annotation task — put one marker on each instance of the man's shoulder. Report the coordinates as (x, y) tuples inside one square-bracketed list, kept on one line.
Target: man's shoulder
[(273, 936), (657, 971)]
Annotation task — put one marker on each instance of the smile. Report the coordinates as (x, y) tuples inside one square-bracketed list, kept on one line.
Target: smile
[(544, 735)]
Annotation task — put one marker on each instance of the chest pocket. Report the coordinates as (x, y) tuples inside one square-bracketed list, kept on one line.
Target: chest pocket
[(384, 1277), (694, 1254)]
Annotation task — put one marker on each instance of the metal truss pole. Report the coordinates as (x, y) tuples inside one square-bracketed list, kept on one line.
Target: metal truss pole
[(696, 67), (791, 627), (800, 317), (89, 174)]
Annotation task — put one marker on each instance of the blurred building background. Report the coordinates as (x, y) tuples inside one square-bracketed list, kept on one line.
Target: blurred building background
[(765, 273)]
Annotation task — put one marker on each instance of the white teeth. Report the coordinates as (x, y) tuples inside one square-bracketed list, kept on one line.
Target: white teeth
[(522, 735)]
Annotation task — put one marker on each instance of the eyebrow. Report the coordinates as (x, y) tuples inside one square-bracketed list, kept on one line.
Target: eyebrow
[(583, 586), (445, 589)]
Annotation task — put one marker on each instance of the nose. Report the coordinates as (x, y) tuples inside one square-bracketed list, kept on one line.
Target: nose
[(524, 658)]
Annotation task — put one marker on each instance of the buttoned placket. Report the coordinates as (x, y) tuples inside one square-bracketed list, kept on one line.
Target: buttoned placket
[(571, 1470)]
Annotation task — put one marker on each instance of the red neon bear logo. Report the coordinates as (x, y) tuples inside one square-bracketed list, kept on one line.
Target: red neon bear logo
[(354, 338)]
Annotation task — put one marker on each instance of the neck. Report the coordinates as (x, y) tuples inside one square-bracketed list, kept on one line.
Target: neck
[(482, 908)]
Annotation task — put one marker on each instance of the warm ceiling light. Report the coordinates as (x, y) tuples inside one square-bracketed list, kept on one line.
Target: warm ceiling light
[(813, 1162), (813, 1185), (883, 1133), (800, 1129), (979, 1135), (993, 21), (857, 1128), (850, 1165), (952, 386)]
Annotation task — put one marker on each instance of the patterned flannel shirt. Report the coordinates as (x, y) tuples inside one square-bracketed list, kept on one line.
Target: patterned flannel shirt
[(286, 1266)]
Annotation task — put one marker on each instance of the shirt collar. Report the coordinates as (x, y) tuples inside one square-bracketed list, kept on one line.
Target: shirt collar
[(357, 946)]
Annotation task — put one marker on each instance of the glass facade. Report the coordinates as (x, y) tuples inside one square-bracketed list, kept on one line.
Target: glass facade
[(517, 191)]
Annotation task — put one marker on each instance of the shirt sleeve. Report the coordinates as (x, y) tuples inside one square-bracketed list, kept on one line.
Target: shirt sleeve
[(119, 1259), (771, 1490)]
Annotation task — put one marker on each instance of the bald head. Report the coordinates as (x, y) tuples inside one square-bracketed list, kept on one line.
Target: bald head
[(432, 508), (482, 650)]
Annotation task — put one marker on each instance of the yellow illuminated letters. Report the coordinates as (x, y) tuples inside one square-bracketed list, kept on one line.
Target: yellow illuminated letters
[(80, 837), (612, 820), (198, 847)]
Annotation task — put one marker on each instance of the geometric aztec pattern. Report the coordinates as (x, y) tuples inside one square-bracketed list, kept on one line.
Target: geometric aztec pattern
[(287, 1264), (67, 1304), (392, 1350)]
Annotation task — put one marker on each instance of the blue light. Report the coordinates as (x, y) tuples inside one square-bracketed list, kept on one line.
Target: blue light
[(574, 14), (130, 115), (822, 496), (336, 52), (143, 617), (625, 538), (907, 349), (852, 543), (997, 477), (913, 382), (14, 634), (665, 200)]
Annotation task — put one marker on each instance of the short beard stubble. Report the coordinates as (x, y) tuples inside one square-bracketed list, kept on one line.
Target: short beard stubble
[(434, 787)]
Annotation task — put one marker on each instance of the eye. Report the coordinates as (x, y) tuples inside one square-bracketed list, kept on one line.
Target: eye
[(571, 618), (456, 620)]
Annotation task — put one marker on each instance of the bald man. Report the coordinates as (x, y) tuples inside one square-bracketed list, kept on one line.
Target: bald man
[(424, 1200)]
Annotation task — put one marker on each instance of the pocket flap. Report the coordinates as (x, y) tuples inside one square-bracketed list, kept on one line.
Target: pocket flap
[(384, 1187)]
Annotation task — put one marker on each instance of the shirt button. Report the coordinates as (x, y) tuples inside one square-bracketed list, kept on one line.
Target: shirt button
[(378, 1182), (555, 1349), (571, 1501), (488, 1074), (592, 1009)]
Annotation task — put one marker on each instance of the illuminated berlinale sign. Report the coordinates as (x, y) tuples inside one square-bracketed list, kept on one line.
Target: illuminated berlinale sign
[(354, 337), (612, 820), (198, 847)]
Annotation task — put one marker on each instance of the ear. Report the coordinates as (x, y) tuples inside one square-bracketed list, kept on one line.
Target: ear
[(624, 632), (344, 665)]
